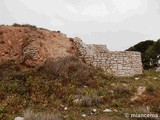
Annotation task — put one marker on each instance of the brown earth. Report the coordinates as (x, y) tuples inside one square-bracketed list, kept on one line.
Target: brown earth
[(31, 46)]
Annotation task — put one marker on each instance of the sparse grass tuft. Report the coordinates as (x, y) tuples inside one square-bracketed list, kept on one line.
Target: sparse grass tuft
[(30, 115), (70, 69), (150, 88)]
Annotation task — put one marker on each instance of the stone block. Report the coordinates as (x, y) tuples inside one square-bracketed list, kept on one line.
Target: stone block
[(120, 67), (122, 63)]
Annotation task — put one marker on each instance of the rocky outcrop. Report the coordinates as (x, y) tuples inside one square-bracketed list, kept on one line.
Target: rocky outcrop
[(31, 46)]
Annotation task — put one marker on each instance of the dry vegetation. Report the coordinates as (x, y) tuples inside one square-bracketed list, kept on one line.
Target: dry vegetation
[(31, 115), (66, 88)]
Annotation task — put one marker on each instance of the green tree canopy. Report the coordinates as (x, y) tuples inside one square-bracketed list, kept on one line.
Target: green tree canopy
[(149, 50)]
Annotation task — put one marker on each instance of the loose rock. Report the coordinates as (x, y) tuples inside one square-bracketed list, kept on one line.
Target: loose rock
[(107, 110), (19, 118), (83, 115)]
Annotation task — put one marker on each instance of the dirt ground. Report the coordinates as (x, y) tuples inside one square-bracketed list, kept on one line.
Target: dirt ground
[(31, 46)]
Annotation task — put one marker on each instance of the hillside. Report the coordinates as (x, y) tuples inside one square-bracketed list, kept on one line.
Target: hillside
[(31, 46), (68, 89), (36, 86)]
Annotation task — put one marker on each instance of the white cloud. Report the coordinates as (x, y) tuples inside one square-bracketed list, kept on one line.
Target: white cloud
[(124, 6), (96, 10), (72, 9), (120, 21)]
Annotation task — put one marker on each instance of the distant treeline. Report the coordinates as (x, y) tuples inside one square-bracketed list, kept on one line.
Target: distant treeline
[(150, 52)]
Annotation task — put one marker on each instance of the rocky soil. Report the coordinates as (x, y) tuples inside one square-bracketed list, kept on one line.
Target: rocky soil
[(31, 46)]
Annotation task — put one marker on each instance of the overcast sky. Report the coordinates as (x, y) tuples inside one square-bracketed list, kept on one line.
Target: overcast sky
[(117, 23)]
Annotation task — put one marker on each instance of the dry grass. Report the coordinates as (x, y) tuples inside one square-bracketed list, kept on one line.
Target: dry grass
[(48, 89), (30, 115), (68, 68)]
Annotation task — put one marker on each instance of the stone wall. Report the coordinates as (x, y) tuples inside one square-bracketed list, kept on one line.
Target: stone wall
[(118, 63)]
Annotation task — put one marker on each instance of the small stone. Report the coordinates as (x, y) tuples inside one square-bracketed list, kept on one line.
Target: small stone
[(19, 118), (83, 115), (62, 106), (115, 110), (155, 78), (124, 84), (111, 91), (94, 110), (107, 110), (3, 54), (65, 108), (137, 78)]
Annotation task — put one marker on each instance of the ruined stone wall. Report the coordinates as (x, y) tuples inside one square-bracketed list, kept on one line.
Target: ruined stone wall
[(118, 63)]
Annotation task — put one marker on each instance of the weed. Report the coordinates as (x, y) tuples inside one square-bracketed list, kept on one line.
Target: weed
[(30, 115), (68, 82), (68, 68), (150, 88)]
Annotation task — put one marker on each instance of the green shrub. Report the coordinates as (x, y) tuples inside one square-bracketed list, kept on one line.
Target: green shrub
[(68, 68), (25, 25), (150, 88), (150, 52)]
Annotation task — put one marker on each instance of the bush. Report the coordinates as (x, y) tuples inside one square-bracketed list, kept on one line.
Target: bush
[(69, 68), (150, 88), (7, 68), (32, 27)]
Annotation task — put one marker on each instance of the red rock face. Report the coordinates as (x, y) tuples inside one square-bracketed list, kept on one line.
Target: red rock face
[(31, 46)]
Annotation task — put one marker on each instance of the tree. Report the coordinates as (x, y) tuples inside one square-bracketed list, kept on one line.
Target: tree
[(145, 47)]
